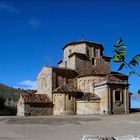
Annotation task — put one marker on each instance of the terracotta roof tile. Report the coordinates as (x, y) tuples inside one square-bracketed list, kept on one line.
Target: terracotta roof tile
[(35, 98), (89, 96), (66, 89), (119, 74), (92, 71), (115, 76)]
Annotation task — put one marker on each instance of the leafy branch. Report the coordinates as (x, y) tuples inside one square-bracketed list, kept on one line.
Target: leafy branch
[(120, 55)]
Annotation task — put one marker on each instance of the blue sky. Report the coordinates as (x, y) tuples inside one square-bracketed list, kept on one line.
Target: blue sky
[(33, 32)]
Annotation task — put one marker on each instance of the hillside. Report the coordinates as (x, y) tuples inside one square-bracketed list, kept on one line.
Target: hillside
[(11, 93), (9, 97)]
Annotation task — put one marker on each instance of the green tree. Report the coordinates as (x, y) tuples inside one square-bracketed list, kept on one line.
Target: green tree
[(120, 55)]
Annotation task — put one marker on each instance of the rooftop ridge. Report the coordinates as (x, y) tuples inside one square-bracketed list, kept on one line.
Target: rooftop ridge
[(83, 41)]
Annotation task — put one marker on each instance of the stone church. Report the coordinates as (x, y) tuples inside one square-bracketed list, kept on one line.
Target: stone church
[(83, 83)]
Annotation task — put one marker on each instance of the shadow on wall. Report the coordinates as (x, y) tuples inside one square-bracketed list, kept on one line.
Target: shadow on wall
[(7, 111)]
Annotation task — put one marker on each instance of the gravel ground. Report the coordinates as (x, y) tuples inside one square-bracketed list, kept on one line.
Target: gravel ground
[(68, 127)]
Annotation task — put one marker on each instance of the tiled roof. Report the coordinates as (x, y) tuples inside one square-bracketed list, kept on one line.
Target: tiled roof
[(80, 95), (60, 68), (97, 45), (66, 89), (119, 74), (115, 76), (35, 98), (92, 71), (89, 96), (110, 77), (65, 72), (92, 74)]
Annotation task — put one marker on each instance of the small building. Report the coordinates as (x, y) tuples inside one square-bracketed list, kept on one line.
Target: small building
[(34, 105)]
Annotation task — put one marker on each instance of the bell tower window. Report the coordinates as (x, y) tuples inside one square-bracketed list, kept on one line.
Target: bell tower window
[(87, 51), (94, 52)]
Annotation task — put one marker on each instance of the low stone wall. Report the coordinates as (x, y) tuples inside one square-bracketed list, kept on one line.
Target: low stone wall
[(88, 107), (127, 137), (38, 109)]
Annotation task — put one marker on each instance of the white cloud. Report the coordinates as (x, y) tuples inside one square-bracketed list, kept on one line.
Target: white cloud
[(135, 97), (35, 23), (8, 7), (27, 84)]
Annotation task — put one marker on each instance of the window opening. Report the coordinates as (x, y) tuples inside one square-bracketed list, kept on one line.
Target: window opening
[(69, 97), (117, 96), (87, 51), (93, 61)]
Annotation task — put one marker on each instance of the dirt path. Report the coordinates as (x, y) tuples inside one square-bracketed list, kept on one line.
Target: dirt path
[(68, 127)]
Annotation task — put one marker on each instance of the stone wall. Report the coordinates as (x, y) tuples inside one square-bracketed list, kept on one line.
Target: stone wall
[(64, 104), (86, 83), (79, 48), (33, 109), (61, 77), (72, 62), (88, 107), (38, 109), (20, 107), (102, 92), (44, 82)]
